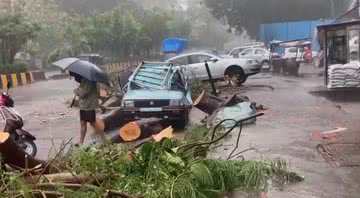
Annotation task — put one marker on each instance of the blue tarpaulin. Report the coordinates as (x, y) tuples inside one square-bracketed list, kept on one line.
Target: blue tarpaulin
[(174, 45)]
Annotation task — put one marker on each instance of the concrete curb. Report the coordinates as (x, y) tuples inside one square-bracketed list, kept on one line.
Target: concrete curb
[(19, 79)]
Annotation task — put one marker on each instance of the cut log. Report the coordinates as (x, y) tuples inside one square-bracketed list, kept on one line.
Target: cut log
[(54, 186), (138, 130), (11, 153), (130, 131), (63, 178), (166, 133), (45, 194), (208, 103), (115, 119)]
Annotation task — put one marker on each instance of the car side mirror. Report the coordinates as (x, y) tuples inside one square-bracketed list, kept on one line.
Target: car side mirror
[(214, 60)]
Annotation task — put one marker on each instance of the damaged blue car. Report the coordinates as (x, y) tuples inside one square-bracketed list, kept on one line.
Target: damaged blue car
[(157, 89)]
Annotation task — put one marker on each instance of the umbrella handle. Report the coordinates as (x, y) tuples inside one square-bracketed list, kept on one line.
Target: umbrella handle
[(73, 101)]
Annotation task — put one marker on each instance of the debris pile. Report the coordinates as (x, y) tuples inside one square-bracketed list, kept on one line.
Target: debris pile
[(233, 107), (164, 168)]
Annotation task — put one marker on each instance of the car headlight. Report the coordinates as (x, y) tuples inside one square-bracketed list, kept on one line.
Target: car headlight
[(174, 103), (128, 103)]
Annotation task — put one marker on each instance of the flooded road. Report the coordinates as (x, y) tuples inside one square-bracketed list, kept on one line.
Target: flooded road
[(284, 132)]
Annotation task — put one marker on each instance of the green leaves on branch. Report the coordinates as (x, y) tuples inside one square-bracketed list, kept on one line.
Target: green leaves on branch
[(157, 169)]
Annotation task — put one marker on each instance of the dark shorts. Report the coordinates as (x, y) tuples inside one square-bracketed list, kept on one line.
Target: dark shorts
[(88, 116)]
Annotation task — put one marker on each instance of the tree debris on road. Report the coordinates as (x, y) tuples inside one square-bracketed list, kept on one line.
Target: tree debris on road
[(156, 169)]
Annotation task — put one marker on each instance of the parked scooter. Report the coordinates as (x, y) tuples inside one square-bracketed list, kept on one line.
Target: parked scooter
[(14, 124)]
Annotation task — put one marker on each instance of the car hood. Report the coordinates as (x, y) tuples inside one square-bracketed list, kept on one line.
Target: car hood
[(153, 95)]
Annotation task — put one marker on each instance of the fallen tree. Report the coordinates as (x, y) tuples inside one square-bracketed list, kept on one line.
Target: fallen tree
[(137, 130), (161, 168), (111, 121)]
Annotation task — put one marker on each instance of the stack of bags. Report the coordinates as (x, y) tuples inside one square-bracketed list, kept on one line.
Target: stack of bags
[(344, 76)]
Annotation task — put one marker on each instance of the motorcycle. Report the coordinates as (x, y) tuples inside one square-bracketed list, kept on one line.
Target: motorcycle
[(14, 124)]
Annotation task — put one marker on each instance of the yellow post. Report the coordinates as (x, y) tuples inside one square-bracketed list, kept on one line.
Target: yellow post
[(4, 81), (31, 77), (14, 80), (23, 78)]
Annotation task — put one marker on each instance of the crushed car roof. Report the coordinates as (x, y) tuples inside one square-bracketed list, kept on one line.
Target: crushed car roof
[(153, 75)]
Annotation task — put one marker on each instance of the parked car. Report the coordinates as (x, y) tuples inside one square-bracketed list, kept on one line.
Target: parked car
[(237, 69), (294, 52), (261, 55), (292, 55), (234, 53), (157, 90)]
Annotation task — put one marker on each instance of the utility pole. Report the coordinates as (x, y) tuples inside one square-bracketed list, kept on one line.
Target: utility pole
[(332, 4)]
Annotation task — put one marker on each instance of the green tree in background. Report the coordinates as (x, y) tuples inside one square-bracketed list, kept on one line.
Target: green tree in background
[(15, 32), (154, 30), (50, 18), (126, 29), (179, 27)]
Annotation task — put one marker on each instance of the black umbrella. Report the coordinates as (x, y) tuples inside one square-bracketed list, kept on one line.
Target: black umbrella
[(83, 68)]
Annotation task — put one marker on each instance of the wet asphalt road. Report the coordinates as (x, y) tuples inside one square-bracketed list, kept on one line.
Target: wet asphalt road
[(297, 106)]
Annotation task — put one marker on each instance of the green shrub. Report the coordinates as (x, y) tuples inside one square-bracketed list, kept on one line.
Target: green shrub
[(13, 68)]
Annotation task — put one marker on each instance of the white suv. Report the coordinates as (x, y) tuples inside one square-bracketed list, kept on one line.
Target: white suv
[(234, 53), (236, 69), (261, 55)]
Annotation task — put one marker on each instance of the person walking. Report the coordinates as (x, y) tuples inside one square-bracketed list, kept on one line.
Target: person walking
[(88, 94)]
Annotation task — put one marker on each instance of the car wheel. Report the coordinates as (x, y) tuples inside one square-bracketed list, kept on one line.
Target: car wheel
[(237, 77)]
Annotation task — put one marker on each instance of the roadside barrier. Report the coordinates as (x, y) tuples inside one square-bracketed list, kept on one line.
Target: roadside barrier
[(20, 79), (120, 66)]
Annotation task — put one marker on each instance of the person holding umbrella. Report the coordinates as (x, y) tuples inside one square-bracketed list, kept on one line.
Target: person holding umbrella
[(88, 94), (87, 75)]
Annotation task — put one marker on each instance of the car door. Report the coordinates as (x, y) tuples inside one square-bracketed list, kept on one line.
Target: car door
[(183, 61), (259, 55), (248, 53), (197, 64)]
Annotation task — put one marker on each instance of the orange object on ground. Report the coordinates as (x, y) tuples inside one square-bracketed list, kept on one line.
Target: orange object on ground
[(332, 134)]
